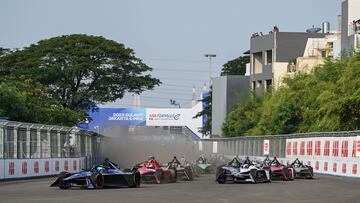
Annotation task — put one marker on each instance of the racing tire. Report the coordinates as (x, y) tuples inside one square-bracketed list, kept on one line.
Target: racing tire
[(221, 176), (62, 183), (174, 175), (285, 172), (253, 175), (137, 180), (311, 171), (97, 180), (159, 175), (188, 173)]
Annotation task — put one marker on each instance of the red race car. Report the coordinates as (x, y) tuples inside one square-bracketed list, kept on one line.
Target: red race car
[(277, 170), (152, 172)]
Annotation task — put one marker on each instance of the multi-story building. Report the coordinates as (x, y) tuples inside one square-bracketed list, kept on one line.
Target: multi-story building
[(271, 54), (350, 25)]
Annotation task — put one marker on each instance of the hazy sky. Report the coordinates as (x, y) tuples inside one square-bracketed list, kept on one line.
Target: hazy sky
[(170, 36)]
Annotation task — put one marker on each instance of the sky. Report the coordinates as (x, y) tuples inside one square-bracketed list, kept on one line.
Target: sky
[(170, 36)]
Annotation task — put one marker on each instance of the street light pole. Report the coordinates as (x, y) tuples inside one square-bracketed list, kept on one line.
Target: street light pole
[(210, 56)]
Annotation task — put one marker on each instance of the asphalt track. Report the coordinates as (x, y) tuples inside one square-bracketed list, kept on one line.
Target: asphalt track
[(203, 189)]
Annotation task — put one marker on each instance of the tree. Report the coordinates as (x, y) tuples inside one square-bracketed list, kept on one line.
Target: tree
[(236, 66), (206, 112), (27, 101), (243, 117), (326, 99), (80, 71)]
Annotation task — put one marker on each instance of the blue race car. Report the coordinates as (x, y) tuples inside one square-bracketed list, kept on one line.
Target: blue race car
[(106, 175)]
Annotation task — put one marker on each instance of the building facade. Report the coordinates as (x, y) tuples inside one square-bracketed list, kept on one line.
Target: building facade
[(271, 54), (227, 92)]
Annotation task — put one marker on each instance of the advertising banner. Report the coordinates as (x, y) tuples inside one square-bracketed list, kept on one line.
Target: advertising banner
[(116, 117), (266, 147), (176, 117), (146, 117), (329, 155), (358, 146)]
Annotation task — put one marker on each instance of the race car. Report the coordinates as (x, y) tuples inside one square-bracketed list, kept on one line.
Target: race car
[(99, 176), (203, 166), (301, 170), (183, 172), (235, 171), (278, 171), (152, 172)]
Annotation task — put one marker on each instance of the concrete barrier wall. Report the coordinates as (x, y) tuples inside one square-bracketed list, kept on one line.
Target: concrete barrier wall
[(328, 153), (24, 168)]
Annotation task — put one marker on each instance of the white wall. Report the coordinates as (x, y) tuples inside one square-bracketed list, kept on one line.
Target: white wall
[(22, 168), (279, 72)]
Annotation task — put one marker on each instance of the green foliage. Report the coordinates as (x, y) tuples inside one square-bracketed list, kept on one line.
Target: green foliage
[(243, 117), (29, 101), (236, 66), (327, 99), (207, 111), (77, 71)]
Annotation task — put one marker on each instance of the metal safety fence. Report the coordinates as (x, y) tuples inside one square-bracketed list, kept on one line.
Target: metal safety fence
[(38, 145)]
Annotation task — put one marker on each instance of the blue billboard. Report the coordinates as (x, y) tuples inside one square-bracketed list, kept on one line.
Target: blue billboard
[(116, 117)]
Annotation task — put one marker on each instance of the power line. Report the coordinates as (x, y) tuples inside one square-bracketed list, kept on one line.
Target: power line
[(183, 70), (149, 97), (175, 60)]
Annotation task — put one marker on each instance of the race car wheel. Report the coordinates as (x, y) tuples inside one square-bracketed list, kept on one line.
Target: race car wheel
[(173, 174), (285, 172), (137, 179), (189, 173), (97, 180), (254, 175), (62, 183), (221, 176)]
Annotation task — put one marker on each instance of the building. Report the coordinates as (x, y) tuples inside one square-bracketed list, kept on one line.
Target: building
[(350, 25), (227, 92), (271, 54)]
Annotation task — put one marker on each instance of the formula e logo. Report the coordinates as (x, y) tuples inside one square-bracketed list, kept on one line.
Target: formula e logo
[(164, 116)]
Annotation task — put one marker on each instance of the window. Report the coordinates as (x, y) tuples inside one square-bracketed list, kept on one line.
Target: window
[(9, 143), (21, 144), (269, 85), (269, 57), (34, 150)]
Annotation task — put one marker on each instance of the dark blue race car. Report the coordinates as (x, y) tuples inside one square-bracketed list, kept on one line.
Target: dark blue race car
[(106, 175)]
